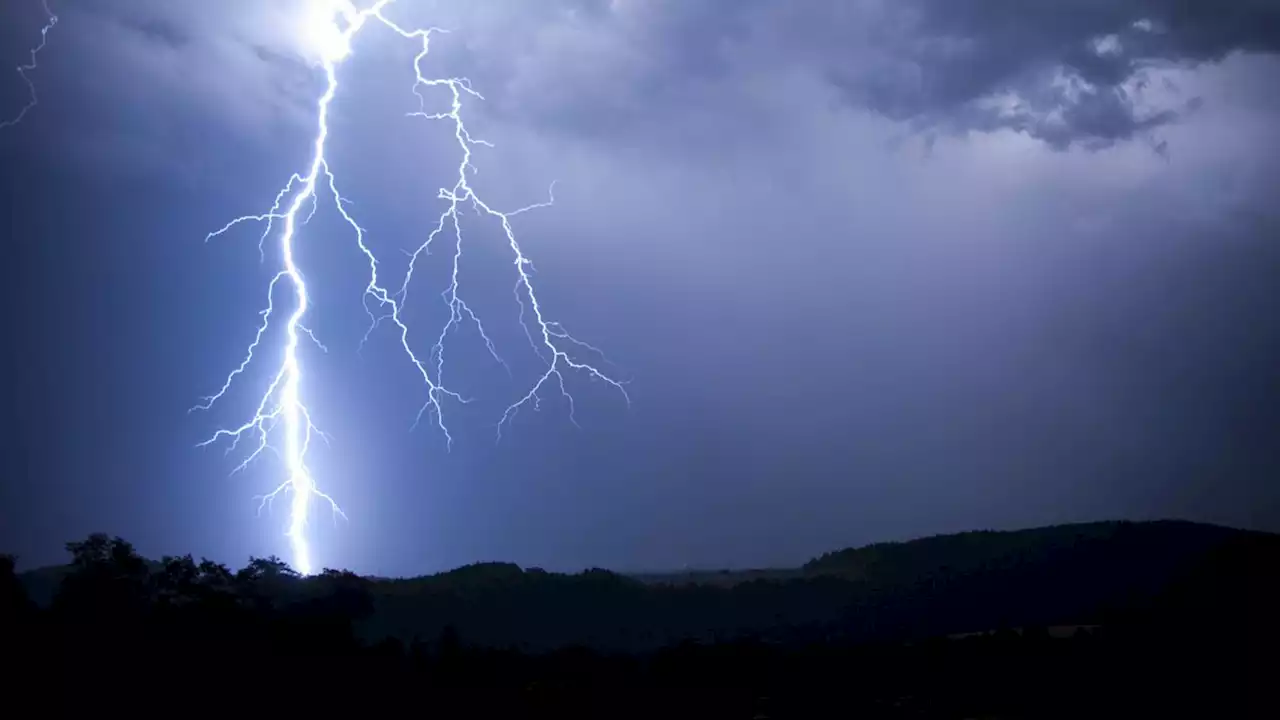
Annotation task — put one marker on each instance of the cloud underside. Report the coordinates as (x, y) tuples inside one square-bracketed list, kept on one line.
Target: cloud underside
[(1069, 73), (1066, 72)]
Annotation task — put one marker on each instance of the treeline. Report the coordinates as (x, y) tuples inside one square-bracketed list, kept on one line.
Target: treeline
[(1093, 574), (1200, 642)]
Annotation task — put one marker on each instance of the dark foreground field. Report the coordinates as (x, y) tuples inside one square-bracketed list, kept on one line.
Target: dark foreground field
[(1166, 619)]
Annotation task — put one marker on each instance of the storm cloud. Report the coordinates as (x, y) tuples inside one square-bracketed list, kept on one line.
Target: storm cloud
[(1066, 72), (851, 254)]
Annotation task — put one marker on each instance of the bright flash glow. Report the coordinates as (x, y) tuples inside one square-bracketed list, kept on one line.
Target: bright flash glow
[(322, 32), (32, 99), (281, 409)]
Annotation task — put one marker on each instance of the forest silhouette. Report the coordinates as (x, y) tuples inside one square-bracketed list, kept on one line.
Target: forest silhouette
[(1105, 619)]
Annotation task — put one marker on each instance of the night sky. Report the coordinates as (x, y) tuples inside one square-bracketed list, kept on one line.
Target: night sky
[(872, 270)]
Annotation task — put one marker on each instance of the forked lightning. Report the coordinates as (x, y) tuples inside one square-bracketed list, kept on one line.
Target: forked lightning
[(32, 98), (281, 409)]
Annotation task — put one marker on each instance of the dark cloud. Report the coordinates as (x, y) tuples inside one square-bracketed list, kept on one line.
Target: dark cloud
[(1067, 72), (1064, 72)]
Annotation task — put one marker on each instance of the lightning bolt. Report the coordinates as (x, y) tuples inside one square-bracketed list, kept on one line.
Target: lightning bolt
[(281, 408), (33, 100)]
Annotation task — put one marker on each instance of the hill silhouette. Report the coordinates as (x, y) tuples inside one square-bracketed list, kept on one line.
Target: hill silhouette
[(946, 584), (1080, 574), (1161, 600)]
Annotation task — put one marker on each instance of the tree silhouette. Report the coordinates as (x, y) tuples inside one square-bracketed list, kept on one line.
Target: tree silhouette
[(14, 603), (17, 613), (107, 578)]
